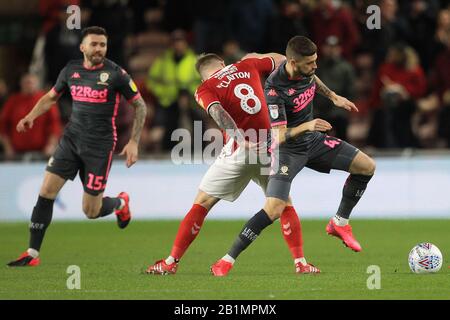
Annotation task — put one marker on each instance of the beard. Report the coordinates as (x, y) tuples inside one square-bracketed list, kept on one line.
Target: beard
[(298, 72), (96, 58), (306, 75)]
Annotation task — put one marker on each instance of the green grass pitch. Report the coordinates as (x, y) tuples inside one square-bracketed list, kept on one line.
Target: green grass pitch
[(112, 262)]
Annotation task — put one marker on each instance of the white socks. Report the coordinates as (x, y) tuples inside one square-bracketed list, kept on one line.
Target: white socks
[(228, 258), (170, 260), (122, 204), (32, 252), (339, 221), (301, 260)]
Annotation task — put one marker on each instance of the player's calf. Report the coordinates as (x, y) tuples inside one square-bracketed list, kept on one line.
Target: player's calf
[(91, 212), (98, 206)]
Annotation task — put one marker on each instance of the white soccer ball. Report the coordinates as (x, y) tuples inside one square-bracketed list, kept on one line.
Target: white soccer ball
[(425, 258)]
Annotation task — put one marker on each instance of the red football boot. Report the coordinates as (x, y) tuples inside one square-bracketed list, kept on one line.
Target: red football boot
[(161, 268), (123, 215), (306, 268), (345, 234), (25, 260), (221, 268)]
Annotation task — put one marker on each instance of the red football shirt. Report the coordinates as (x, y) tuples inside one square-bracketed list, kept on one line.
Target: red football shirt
[(17, 107), (238, 89)]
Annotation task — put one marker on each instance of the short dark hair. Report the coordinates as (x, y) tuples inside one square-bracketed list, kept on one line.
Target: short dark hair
[(300, 46), (93, 30), (205, 59)]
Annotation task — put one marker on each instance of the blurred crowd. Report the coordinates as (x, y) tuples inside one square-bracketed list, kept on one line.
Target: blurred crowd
[(398, 75)]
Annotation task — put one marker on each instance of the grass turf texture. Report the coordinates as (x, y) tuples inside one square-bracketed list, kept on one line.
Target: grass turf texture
[(112, 262)]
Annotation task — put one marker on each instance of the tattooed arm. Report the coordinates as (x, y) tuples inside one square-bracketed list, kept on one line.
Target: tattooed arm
[(323, 89), (336, 99), (226, 123), (131, 149)]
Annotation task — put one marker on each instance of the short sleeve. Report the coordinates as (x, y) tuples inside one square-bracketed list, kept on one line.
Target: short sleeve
[(206, 97), (275, 104), (61, 82), (126, 86), (264, 65)]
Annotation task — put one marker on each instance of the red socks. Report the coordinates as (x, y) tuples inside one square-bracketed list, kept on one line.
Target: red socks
[(193, 221), (188, 230), (292, 231)]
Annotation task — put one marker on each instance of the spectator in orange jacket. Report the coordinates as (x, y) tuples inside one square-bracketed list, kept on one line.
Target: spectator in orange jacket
[(46, 130)]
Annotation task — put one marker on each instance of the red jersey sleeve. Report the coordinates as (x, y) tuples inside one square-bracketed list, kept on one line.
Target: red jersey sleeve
[(265, 65), (206, 97)]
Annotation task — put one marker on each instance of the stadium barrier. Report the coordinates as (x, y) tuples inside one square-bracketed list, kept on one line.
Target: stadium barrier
[(405, 187)]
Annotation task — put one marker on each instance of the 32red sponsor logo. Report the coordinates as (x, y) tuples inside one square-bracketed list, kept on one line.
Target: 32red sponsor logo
[(87, 94), (304, 98)]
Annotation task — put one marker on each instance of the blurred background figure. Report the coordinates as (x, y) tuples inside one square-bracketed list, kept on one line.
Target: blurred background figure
[(399, 83), (333, 18), (3, 92), (248, 23), (46, 130), (115, 17), (339, 75), (394, 29), (171, 77), (291, 20), (232, 52), (441, 84), (157, 42)]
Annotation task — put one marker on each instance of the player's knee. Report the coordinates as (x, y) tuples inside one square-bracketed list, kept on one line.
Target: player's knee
[(369, 168), (274, 209), (363, 165), (91, 212), (47, 191), (205, 200)]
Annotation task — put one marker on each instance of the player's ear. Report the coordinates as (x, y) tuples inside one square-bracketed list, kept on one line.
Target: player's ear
[(292, 62), (81, 47)]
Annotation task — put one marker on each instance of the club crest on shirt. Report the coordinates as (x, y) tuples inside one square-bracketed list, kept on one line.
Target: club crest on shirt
[(284, 170), (104, 76), (273, 110), (50, 161)]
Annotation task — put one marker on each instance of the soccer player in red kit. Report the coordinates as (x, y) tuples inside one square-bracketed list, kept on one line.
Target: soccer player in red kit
[(233, 96)]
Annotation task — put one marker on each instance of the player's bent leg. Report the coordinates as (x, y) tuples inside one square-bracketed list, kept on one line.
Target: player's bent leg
[(187, 232), (361, 169), (40, 219), (51, 185), (96, 206), (265, 217), (92, 205), (362, 164)]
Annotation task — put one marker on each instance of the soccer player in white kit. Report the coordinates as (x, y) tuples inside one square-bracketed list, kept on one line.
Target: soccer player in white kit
[(233, 96)]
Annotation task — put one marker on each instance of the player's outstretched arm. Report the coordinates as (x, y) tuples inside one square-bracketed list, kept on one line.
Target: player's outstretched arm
[(277, 58), (282, 134), (226, 123), (42, 106), (131, 148), (336, 99)]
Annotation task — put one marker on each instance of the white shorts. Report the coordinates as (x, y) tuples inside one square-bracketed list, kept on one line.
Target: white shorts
[(231, 172)]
